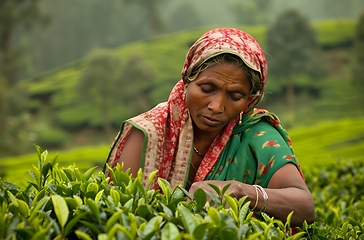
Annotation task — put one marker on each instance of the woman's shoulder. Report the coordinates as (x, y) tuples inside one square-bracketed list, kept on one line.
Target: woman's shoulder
[(260, 127)]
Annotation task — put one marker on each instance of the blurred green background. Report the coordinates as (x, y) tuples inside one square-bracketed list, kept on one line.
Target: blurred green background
[(71, 71)]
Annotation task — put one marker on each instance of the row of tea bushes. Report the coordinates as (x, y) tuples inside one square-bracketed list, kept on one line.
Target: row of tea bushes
[(65, 203)]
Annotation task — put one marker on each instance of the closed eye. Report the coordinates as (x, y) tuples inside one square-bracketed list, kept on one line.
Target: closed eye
[(236, 96), (207, 88)]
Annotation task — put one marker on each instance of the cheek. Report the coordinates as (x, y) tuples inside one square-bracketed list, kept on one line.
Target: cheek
[(193, 98)]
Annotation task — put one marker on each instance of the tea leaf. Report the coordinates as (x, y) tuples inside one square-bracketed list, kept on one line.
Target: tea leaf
[(150, 179), (115, 195), (166, 187), (201, 231), (216, 188), (167, 211), (40, 235), (170, 232), (73, 222), (54, 161), (36, 176), (112, 220), (200, 198), (39, 152), (93, 207), (188, 219), (228, 234), (45, 169), (213, 197), (23, 208), (44, 156), (225, 188), (61, 209), (288, 222), (214, 216), (91, 227), (152, 226), (83, 235), (36, 207), (69, 173), (243, 230), (92, 187), (121, 228), (298, 235), (232, 203), (71, 202), (88, 173), (99, 195), (256, 226), (10, 186), (13, 199)]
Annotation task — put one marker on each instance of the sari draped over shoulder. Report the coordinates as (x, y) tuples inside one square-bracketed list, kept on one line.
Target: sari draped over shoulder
[(168, 141), (248, 155)]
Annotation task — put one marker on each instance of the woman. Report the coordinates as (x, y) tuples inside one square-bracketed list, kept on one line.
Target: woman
[(209, 131)]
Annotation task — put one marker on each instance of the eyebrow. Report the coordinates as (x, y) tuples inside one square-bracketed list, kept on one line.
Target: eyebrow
[(239, 91)]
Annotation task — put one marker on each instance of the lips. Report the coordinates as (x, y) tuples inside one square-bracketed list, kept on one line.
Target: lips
[(211, 121)]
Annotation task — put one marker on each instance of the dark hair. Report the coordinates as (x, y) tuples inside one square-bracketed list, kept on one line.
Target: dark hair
[(232, 59)]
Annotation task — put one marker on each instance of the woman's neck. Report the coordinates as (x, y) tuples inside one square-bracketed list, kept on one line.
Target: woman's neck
[(203, 140)]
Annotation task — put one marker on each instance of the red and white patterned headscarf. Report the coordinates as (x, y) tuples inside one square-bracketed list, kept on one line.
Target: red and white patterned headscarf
[(228, 40), (168, 126)]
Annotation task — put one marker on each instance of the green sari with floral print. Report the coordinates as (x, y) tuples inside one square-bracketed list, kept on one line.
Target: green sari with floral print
[(256, 150)]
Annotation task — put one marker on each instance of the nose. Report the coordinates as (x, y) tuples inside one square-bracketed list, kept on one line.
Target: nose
[(217, 104)]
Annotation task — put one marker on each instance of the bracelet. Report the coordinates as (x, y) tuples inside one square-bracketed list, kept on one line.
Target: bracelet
[(257, 199), (265, 197)]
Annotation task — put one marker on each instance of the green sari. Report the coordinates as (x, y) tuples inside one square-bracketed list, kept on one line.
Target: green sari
[(256, 150)]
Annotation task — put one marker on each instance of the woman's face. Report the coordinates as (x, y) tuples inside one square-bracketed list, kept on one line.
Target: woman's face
[(217, 96)]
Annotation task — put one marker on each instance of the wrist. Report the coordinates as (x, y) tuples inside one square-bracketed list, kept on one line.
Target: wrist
[(260, 192)]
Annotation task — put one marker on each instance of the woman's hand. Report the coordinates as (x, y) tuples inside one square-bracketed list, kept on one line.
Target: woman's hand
[(205, 185), (286, 192), (236, 189)]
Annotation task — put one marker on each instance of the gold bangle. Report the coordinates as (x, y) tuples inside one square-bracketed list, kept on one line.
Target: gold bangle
[(257, 198), (265, 197)]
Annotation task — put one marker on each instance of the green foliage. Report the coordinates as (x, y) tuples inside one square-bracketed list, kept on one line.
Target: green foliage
[(15, 169), (292, 43), (137, 77), (52, 138), (335, 33), (13, 117), (251, 12), (325, 142), (100, 83), (14, 16), (338, 194), (358, 71), (65, 203)]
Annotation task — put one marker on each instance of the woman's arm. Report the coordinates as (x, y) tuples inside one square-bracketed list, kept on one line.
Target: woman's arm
[(286, 192), (132, 151)]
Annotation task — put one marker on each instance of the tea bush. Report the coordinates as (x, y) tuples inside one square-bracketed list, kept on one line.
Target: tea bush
[(65, 203)]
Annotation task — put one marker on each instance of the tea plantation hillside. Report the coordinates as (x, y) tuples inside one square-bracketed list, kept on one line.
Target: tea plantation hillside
[(316, 145), (57, 113)]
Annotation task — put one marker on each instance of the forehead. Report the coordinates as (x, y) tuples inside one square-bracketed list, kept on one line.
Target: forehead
[(224, 72), (225, 77)]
